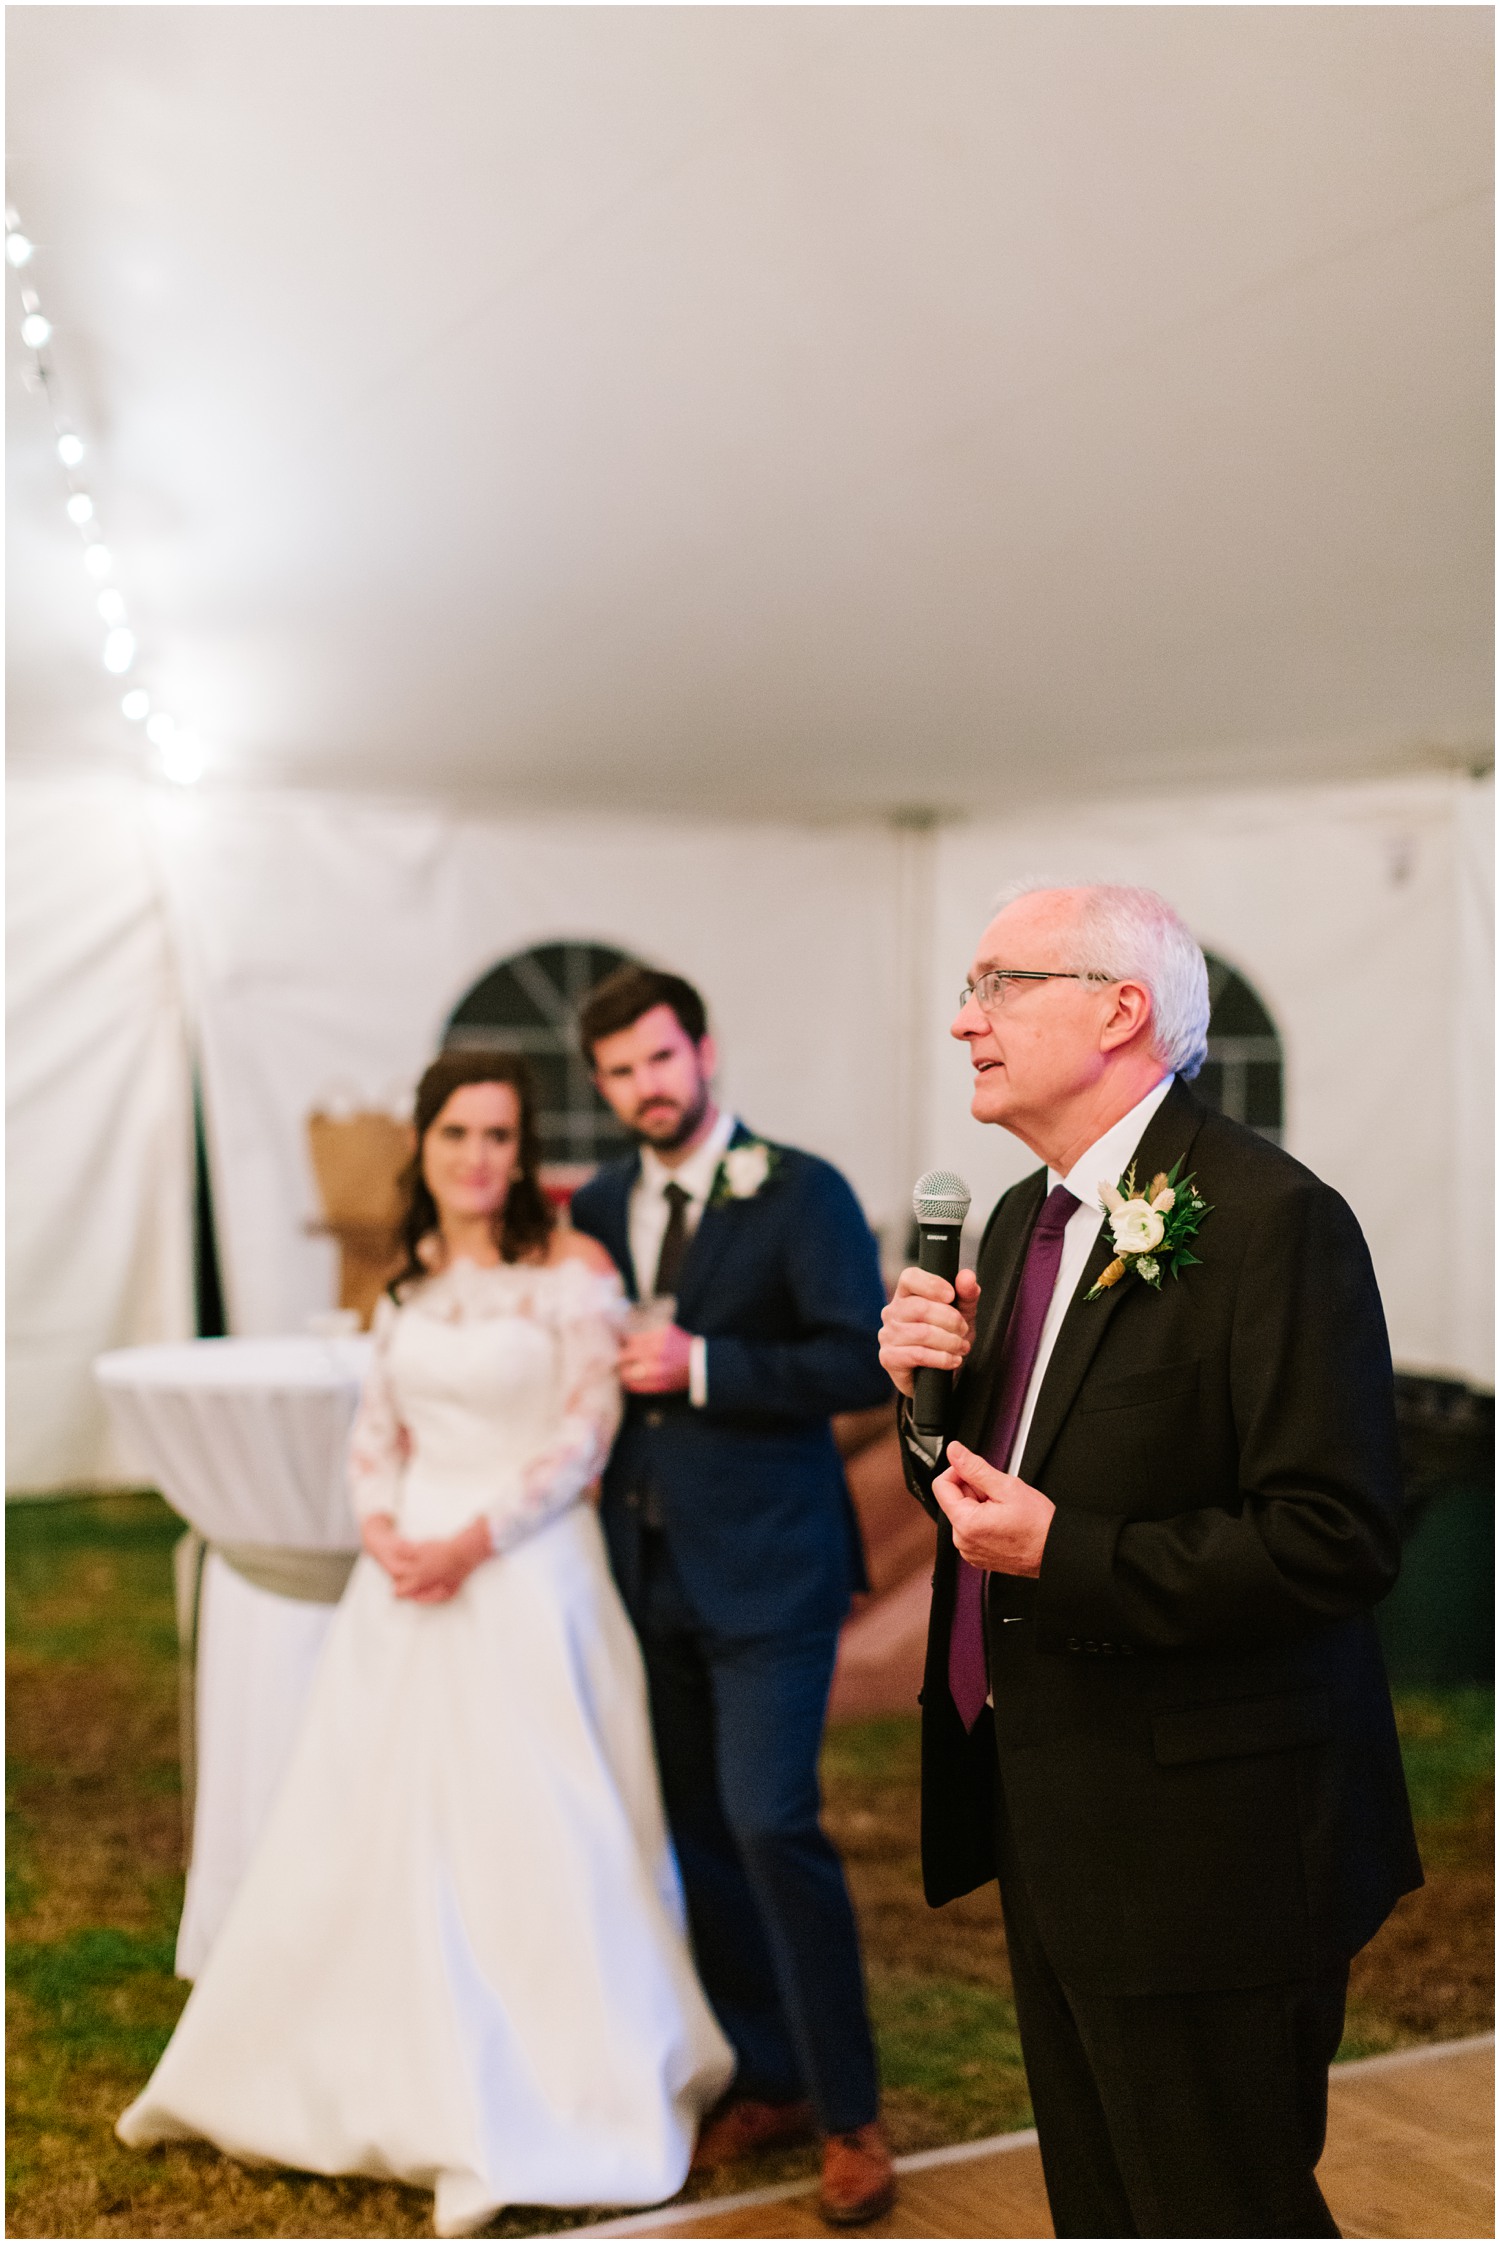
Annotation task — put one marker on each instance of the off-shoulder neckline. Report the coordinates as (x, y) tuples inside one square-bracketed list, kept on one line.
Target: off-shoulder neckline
[(465, 1276)]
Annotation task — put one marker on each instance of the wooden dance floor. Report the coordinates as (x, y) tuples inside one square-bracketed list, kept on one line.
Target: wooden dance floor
[(1411, 2142)]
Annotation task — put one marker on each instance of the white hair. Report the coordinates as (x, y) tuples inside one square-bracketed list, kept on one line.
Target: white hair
[(1133, 935)]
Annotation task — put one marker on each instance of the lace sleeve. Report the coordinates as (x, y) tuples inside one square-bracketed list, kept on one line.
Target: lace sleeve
[(587, 1320), (378, 1442)]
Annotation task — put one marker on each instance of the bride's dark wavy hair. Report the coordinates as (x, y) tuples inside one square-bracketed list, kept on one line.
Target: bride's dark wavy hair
[(527, 1220)]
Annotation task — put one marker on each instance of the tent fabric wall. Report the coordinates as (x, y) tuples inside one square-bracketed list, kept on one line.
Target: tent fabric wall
[(1471, 1276), (1363, 916), (326, 939), (99, 1121), (317, 943)]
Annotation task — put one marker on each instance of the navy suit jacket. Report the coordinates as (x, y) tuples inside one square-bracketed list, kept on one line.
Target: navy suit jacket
[(786, 1289)]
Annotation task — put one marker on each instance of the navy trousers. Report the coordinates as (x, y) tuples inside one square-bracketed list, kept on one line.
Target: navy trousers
[(738, 1723)]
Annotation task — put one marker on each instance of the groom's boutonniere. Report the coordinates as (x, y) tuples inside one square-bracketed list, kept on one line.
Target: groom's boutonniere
[(1150, 1229), (744, 1171)]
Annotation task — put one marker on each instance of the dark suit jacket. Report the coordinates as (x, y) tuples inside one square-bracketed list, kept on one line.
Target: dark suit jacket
[(1192, 1722), (786, 1289)]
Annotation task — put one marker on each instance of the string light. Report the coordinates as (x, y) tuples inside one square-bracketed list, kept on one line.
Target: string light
[(181, 758)]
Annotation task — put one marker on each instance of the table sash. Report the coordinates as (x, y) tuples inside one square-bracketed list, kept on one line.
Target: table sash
[(312, 1577)]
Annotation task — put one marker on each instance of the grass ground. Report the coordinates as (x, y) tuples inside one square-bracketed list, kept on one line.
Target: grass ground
[(93, 1884)]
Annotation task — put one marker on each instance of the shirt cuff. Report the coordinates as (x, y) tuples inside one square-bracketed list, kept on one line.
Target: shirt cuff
[(927, 1448), (698, 1372)]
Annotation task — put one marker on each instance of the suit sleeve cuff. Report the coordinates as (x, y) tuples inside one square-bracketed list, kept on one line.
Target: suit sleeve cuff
[(698, 1372), (1078, 1605)]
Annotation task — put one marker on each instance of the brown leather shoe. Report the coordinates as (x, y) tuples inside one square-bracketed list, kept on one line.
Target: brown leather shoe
[(859, 2178), (740, 2129)]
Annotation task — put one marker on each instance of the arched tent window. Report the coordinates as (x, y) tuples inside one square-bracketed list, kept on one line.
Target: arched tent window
[(1242, 1075), (529, 1003)]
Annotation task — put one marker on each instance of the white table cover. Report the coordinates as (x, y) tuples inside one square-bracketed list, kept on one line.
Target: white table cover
[(246, 1440)]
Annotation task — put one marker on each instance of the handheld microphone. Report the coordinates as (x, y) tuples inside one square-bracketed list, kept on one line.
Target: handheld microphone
[(940, 1203)]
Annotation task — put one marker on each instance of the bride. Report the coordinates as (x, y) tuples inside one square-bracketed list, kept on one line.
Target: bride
[(458, 1957)]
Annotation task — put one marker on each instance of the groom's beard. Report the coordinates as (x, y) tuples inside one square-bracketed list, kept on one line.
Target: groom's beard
[(664, 1125)]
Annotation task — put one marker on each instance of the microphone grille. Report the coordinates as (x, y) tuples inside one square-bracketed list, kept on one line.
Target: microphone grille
[(940, 1197)]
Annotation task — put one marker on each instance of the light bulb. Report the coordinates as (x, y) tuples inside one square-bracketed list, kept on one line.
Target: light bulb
[(80, 508), (96, 560), (135, 704), (112, 606), (18, 249), (160, 729), (70, 449), (182, 760), (35, 330), (119, 650)]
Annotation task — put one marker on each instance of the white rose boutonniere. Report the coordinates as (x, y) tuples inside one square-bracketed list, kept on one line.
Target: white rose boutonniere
[(1150, 1229), (744, 1171)]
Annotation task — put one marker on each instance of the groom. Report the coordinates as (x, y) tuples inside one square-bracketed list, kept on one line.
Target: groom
[(735, 1547)]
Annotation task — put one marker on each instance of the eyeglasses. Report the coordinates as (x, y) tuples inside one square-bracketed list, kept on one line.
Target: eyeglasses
[(992, 991)]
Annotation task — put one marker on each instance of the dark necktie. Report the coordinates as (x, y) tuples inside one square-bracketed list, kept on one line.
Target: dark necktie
[(674, 1240), (968, 1669)]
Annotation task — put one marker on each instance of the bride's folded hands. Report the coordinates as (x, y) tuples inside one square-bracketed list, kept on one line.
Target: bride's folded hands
[(430, 1572)]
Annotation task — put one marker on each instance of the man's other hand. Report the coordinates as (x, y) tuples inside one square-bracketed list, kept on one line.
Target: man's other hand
[(999, 1523), (927, 1321), (656, 1362)]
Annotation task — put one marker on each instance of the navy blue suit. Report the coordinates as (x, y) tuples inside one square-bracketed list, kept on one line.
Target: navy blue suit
[(738, 1593)]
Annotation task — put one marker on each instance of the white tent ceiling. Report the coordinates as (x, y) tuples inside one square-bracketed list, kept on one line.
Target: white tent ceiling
[(788, 410)]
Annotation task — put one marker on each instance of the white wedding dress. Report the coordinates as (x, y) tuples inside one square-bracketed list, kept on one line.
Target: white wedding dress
[(458, 1957)]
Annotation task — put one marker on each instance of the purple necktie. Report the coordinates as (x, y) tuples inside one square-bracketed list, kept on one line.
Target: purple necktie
[(968, 1669)]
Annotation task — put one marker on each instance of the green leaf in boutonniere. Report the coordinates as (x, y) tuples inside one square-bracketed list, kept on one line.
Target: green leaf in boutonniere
[(1150, 1229), (744, 1171)]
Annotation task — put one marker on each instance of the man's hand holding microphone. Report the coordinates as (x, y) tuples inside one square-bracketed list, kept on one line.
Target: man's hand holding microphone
[(999, 1522), (928, 1322)]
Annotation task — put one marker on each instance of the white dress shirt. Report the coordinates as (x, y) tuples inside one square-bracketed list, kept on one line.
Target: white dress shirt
[(649, 1214), (1105, 1162)]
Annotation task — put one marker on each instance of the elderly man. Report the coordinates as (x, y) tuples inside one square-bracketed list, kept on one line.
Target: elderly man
[(1154, 1703)]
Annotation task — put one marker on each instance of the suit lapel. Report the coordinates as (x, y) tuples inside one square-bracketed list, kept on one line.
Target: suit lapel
[(709, 1239), (1168, 1136), (621, 1182), (1002, 1261)]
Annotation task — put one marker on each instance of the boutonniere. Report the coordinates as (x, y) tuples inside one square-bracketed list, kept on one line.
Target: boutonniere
[(744, 1171), (1150, 1229)]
